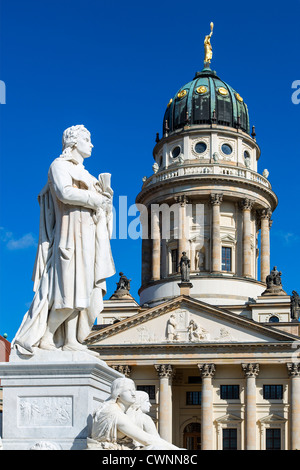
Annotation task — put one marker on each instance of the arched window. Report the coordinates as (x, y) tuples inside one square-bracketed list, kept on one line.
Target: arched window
[(192, 436), (273, 319)]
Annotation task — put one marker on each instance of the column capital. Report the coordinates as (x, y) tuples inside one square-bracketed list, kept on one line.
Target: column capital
[(182, 200), (265, 213), (123, 369), (216, 199), (246, 204), (293, 369), (207, 370), (251, 369), (165, 370)]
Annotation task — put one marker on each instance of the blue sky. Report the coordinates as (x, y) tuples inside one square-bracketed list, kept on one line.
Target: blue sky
[(113, 66)]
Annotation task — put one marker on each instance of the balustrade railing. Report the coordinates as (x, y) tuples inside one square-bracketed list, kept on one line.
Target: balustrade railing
[(209, 169)]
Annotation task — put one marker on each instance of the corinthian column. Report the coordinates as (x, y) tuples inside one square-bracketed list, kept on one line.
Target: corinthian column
[(166, 373), (265, 216), (182, 241), (146, 244), (155, 234), (216, 200), (207, 372), (294, 373), (123, 369), (246, 206), (251, 372)]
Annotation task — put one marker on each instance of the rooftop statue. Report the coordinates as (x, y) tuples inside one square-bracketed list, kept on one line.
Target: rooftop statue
[(207, 46), (74, 255), (274, 284), (295, 305), (274, 278), (113, 428), (185, 266), (123, 288), (124, 283)]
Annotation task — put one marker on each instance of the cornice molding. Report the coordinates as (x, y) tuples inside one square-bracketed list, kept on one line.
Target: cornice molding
[(173, 304)]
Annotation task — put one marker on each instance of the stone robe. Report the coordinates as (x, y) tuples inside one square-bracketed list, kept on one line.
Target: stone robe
[(74, 255)]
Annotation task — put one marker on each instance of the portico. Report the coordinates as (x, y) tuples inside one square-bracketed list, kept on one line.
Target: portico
[(211, 392)]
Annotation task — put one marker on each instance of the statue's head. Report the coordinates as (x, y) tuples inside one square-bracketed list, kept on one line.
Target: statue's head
[(79, 138), (142, 401), (123, 389)]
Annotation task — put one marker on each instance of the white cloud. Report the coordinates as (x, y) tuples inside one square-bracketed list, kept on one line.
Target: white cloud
[(26, 241), (287, 237)]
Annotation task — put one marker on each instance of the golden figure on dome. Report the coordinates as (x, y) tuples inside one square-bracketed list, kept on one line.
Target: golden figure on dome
[(207, 46)]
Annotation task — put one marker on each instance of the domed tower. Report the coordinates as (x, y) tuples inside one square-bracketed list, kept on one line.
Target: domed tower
[(206, 198)]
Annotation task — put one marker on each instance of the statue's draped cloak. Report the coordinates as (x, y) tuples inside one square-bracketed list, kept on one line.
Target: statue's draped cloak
[(73, 257)]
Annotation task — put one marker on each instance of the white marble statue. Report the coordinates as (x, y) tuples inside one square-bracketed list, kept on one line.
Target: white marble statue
[(138, 414), (171, 328), (114, 429), (74, 255)]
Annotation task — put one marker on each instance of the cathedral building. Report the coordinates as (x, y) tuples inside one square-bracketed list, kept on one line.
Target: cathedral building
[(214, 337)]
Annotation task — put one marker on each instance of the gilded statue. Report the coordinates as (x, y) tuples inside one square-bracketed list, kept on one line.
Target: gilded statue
[(207, 46)]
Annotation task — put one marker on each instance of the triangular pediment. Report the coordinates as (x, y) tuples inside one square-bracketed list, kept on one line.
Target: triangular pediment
[(184, 321), (228, 418), (272, 418)]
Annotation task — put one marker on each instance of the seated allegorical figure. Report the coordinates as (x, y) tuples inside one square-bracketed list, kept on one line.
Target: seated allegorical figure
[(113, 429), (138, 414)]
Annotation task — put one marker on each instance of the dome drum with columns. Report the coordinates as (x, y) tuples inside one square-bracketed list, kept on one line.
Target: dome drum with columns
[(206, 161)]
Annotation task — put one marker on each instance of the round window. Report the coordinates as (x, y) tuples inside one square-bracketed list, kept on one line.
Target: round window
[(176, 152), (246, 154), (226, 149), (200, 147)]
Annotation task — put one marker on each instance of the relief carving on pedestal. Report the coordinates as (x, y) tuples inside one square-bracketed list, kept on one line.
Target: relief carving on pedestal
[(45, 411)]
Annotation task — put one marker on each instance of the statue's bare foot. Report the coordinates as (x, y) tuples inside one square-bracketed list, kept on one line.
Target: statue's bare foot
[(93, 353), (47, 345), (74, 347)]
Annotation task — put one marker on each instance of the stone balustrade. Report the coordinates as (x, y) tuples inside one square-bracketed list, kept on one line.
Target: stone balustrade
[(209, 169)]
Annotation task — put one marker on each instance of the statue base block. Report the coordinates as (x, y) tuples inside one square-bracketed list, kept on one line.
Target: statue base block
[(49, 399), (185, 287)]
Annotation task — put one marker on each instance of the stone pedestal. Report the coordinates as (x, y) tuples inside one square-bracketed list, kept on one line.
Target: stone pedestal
[(49, 399), (185, 288)]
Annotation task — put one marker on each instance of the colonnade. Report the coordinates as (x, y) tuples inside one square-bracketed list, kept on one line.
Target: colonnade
[(152, 269), (166, 373)]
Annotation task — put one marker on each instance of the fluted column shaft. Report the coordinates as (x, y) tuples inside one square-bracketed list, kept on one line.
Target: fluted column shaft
[(156, 242), (216, 200), (166, 373), (207, 372), (265, 216), (146, 244), (294, 372), (246, 208), (182, 241), (251, 372)]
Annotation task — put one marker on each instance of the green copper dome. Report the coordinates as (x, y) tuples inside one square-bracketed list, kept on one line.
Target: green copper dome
[(206, 100)]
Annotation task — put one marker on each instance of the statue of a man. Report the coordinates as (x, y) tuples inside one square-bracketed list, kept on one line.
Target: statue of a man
[(295, 305), (171, 328), (185, 266), (274, 278), (74, 256), (124, 283)]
